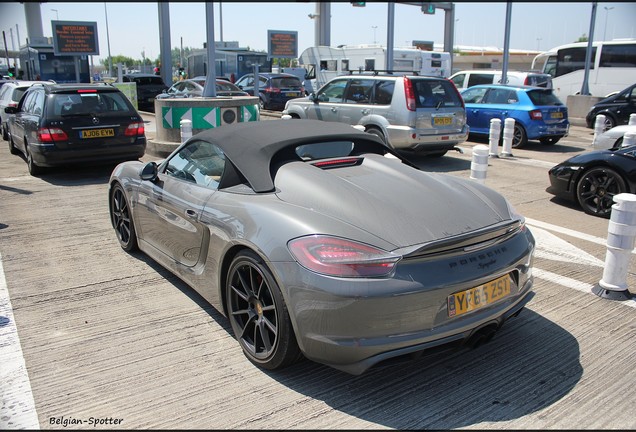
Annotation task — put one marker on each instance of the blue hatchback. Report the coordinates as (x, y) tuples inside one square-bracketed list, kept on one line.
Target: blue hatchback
[(538, 113)]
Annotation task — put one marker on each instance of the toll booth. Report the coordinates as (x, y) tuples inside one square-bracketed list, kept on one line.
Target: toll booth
[(38, 62), (237, 61)]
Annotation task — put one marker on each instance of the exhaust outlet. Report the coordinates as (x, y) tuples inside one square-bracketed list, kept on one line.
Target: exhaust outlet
[(482, 336)]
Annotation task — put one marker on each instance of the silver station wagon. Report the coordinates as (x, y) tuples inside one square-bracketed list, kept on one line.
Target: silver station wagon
[(408, 112)]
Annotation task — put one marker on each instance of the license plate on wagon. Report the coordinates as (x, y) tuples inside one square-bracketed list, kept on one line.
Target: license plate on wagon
[(556, 115), (291, 94), (97, 133), (478, 297), (442, 121)]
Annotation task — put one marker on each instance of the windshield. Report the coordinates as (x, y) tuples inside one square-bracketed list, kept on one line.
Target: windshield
[(286, 82), (68, 104)]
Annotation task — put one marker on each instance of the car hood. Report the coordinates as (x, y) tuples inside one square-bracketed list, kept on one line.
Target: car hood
[(397, 203)]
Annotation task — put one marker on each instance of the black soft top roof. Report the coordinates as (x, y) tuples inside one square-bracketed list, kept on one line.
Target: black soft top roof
[(256, 148)]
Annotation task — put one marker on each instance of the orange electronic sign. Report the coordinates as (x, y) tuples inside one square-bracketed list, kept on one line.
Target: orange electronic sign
[(75, 38), (282, 44)]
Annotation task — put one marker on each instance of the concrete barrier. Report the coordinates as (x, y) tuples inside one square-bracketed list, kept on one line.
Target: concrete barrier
[(204, 113)]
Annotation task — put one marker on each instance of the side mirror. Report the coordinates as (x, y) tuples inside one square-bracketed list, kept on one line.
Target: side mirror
[(312, 97), (149, 172), (11, 110)]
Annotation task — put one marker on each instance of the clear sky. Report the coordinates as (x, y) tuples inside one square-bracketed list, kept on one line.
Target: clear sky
[(134, 27)]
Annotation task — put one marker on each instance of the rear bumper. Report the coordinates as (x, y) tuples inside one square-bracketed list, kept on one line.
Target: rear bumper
[(408, 138), (352, 324), (49, 155)]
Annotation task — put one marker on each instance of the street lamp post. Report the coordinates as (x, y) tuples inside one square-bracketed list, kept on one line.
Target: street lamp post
[(374, 28), (538, 40), (454, 32), (110, 59), (607, 9)]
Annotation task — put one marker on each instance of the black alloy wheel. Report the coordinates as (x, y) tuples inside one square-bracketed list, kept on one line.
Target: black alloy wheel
[(122, 219), (519, 137), (609, 122), (258, 313), (596, 188)]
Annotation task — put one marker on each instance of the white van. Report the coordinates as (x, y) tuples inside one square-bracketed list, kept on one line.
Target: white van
[(469, 78)]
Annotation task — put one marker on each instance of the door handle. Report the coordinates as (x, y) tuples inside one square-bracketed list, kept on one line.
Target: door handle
[(364, 111), (333, 109), (191, 213)]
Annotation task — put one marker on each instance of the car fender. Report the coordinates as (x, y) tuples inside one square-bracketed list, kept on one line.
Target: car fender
[(296, 110), (377, 121)]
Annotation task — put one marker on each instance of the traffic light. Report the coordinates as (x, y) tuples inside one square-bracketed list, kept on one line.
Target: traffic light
[(11, 72), (428, 8), (359, 4)]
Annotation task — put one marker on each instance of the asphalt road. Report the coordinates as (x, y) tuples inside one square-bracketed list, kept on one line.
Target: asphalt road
[(111, 338)]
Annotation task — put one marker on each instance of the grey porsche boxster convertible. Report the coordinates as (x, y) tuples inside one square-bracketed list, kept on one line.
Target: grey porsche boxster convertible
[(317, 240)]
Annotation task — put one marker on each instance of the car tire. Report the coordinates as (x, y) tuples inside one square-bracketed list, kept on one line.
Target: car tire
[(12, 148), (261, 104), (5, 134), (376, 132), (610, 122), (549, 141), (595, 190), (34, 169), (618, 144), (122, 220), (258, 313), (519, 136)]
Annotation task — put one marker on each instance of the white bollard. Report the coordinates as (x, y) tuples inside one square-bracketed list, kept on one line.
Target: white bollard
[(599, 125), (508, 134), (286, 117), (621, 234), (479, 164), (632, 120), (495, 133), (629, 139), (186, 130)]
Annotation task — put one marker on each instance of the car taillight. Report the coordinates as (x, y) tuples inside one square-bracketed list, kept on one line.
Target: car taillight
[(12, 104), (271, 90), (536, 115), (135, 129), (340, 257), (51, 135), (409, 94)]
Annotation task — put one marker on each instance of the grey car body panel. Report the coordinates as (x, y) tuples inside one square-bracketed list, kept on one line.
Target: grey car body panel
[(347, 323)]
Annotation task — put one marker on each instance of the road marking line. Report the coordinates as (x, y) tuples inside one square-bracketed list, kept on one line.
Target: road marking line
[(552, 247), (567, 231), (18, 407), (572, 283)]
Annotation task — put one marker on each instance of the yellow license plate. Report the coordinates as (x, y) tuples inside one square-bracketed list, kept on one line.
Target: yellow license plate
[(556, 115), (292, 94), (478, 297), (442, 121), (97, 133)]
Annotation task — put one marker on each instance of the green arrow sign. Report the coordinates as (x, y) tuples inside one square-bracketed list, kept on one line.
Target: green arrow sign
[(207, 117)]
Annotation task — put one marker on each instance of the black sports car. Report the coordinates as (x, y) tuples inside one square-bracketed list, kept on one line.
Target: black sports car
[(593, 178)]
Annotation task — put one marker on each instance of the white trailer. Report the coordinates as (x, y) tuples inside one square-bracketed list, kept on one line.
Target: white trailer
[(324, 63)]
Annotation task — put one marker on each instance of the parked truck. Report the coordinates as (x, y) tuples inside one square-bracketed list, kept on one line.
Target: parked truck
[(324, 63)]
